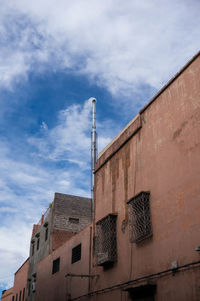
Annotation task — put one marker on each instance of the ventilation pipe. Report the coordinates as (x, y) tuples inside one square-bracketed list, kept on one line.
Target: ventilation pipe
[(93, 150)]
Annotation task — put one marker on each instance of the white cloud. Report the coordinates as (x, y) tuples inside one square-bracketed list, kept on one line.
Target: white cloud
[(27, 185), (70, 139), (122, 45)]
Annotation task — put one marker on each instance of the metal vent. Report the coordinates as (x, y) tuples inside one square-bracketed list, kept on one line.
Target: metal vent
[(106, 241), (139, 217)]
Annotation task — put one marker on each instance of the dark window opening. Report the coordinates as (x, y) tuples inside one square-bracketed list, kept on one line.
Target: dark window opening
[(29, 288), (23, 294), (76, 253), (142, 293), (46, 234), (16, 298), (33, 249), (13, 298), (139, 217), (74, 220), (38, 243), (56, 266), (20, 295), (106, 240)]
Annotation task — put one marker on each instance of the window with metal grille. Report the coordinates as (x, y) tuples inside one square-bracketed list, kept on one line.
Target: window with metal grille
[(106, 240), (76, 253), (139, 217), (56, 265)]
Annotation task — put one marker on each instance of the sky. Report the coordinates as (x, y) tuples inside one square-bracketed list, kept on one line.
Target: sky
[(54, 56)]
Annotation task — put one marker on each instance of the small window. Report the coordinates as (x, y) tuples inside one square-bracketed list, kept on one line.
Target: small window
[(74, 220), (23, 294), (56, 266), (76, 253), (20, 295), (106, 240), (38, 243), (29, 288), (46, 234), (139, 217), (33, 249)]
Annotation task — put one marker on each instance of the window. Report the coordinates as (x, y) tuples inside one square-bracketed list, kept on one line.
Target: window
[(56, 266), (29, 288), (46, 233), (20, 295), (74, 220), (13, 298), (16, 298), (33, 249), (139, 217), (106, 240), (38, 243), (76, 253), (140, 293), (23, 294)]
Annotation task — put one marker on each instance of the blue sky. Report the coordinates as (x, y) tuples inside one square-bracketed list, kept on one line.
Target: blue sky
[(55, 55)]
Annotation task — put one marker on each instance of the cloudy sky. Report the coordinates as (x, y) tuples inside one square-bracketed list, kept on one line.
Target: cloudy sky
[(55, 55)]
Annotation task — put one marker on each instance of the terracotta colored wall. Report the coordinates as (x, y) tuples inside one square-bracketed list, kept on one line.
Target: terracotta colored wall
[(20, 280), (163, 158), (58, 237), (7, 295), (55, 287)]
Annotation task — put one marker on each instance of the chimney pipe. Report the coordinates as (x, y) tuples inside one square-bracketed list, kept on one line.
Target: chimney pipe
[(93, 149)]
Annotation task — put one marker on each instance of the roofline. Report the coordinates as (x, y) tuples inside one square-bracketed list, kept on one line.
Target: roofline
[(169, 82), (140, 113), (22, 265), (72, 195)]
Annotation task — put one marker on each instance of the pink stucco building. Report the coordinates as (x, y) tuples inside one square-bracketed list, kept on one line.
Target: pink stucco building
[(144, 241)]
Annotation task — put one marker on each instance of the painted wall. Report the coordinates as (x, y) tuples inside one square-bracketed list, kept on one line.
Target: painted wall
[(161, 157), (7, 295), (19, 288), (53, 287)]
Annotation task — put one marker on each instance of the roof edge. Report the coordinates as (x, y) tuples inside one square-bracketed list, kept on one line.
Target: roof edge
[(170, 82)]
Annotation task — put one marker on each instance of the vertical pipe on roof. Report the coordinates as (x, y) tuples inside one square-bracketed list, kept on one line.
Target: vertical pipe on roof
[(93, 149)]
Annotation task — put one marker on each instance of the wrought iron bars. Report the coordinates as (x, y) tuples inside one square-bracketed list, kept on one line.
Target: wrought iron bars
[(139, 217), (106, 240)]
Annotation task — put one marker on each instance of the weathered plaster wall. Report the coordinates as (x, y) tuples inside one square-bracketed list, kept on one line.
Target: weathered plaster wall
[(161, 157)]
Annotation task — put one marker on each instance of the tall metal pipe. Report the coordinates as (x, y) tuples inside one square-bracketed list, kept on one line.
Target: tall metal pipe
[(93, 149)]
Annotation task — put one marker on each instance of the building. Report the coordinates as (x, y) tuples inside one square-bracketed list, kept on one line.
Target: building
[(66, 216), (144, 240), (20, 280), (7, 295)]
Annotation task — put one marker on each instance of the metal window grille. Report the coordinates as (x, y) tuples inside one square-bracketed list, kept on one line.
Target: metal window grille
[(76, 253), (139, 217), (106, 240), (56, 265)]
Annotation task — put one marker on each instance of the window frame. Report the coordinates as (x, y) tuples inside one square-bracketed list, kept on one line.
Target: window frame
[(56, 266), (76, 253)]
